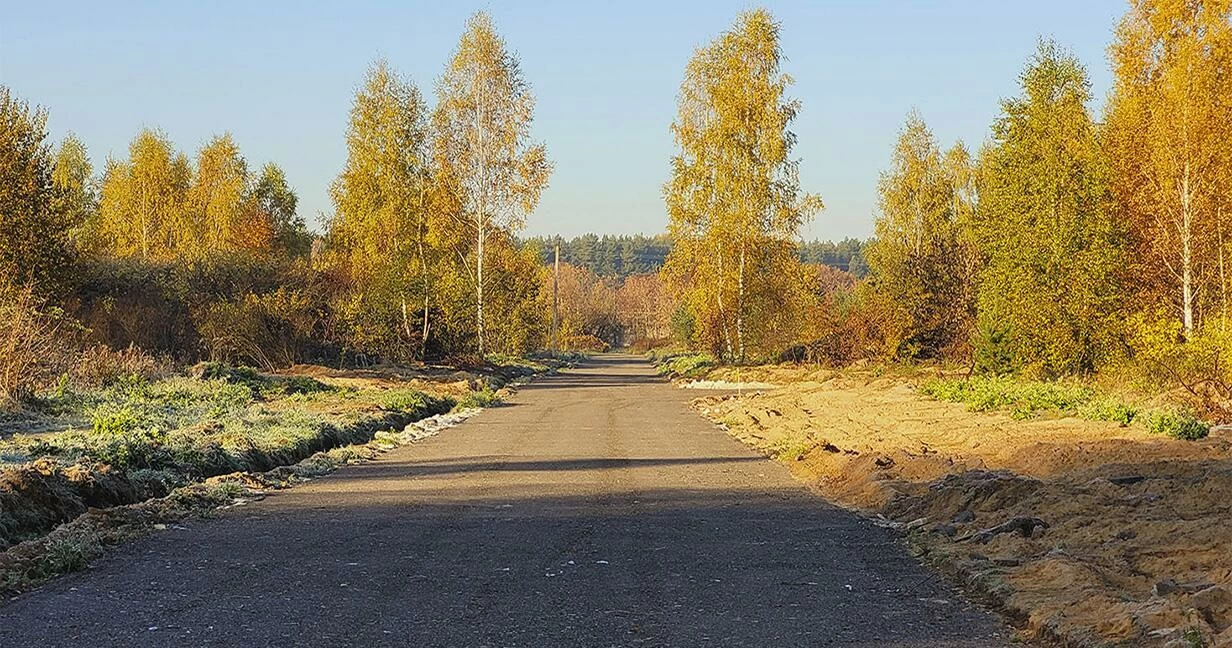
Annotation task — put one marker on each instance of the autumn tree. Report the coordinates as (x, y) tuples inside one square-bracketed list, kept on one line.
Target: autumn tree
[(379, 228), (734, 199), (644, 308), (73, 178), (277, 201), (215, 219), (919, 260), (483, 155), (1168, 120), (1049, 291), (34, 223), (142, 201)]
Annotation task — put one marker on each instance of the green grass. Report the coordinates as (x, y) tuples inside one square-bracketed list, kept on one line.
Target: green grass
[(482, 398), (687, 365), (1027, 399)]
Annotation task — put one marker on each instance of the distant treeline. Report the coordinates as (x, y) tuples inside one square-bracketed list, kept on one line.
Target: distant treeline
[(622, 256), (846, 255)]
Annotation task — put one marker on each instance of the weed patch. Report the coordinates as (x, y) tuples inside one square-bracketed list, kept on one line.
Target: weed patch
[(1026, 399), (689, 365), (485, 397)]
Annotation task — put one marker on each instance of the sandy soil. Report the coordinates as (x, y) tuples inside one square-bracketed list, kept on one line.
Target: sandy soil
[(1115, 536)]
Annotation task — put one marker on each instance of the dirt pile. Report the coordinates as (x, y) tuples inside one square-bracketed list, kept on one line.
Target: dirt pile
[(1084, 533), (38, 496)]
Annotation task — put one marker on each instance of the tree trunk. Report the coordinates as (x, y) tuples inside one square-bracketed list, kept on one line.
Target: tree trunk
[(423, 278), (1187, 292), (740, 308), (1223, 278), (406, 320), (479, 281), (727, 342), (481, 218), (423, 273)]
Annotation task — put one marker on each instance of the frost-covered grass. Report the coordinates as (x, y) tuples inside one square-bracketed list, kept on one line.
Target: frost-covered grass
[(219, 422), (1026, 399)]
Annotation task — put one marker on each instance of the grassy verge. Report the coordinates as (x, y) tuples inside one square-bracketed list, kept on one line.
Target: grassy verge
[(138, 454), (684, 365), (1026, 399), (72, 546), (136, 439)]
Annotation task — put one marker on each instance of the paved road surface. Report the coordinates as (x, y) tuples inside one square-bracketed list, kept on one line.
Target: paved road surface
[(595, 510)]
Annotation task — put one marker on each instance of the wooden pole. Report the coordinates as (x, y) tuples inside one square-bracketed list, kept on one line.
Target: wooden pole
[(556, 299)]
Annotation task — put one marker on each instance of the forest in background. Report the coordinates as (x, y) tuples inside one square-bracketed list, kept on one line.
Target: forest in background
[(620, 256)]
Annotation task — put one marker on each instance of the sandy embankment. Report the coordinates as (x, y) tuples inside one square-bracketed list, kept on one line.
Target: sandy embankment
[(1135, 545)]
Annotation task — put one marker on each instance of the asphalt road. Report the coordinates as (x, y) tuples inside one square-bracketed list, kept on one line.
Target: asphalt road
[(596, 509)]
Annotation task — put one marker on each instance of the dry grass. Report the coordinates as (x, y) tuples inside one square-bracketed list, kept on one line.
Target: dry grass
[(28, 338)]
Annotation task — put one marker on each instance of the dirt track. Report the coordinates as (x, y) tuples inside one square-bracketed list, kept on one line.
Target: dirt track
[(595, 510)]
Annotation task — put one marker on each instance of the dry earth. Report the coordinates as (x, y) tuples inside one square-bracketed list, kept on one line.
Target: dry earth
[(1111, 536)]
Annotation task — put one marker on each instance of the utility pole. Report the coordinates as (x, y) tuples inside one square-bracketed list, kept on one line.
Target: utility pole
[(555, 298)]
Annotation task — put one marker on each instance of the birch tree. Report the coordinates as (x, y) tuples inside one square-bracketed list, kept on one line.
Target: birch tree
[(142, 200), (1168, 119), (483, 153), (33, 231), (734, 198), (215, 210), (918, 258), (73, 178), (275, 198), (380, 200)]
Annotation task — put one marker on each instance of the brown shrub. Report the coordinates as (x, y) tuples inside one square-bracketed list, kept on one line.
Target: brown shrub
[(100, 365), (28, 342)]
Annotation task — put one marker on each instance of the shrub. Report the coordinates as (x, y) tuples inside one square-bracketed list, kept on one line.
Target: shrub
[(687, 365), (1024, 398), (1109, 410), (110, 419), (1197, 363), (414, 402), (1178, 424), (585, 343), (99, 366), (28, 338)]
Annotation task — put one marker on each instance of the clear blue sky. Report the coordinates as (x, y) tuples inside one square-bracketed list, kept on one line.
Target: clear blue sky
[(280, 77)]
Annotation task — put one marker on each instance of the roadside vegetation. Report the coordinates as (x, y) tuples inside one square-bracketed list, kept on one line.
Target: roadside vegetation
[(169, 320), (1039, 275), (1028, 399), (79, 462)]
